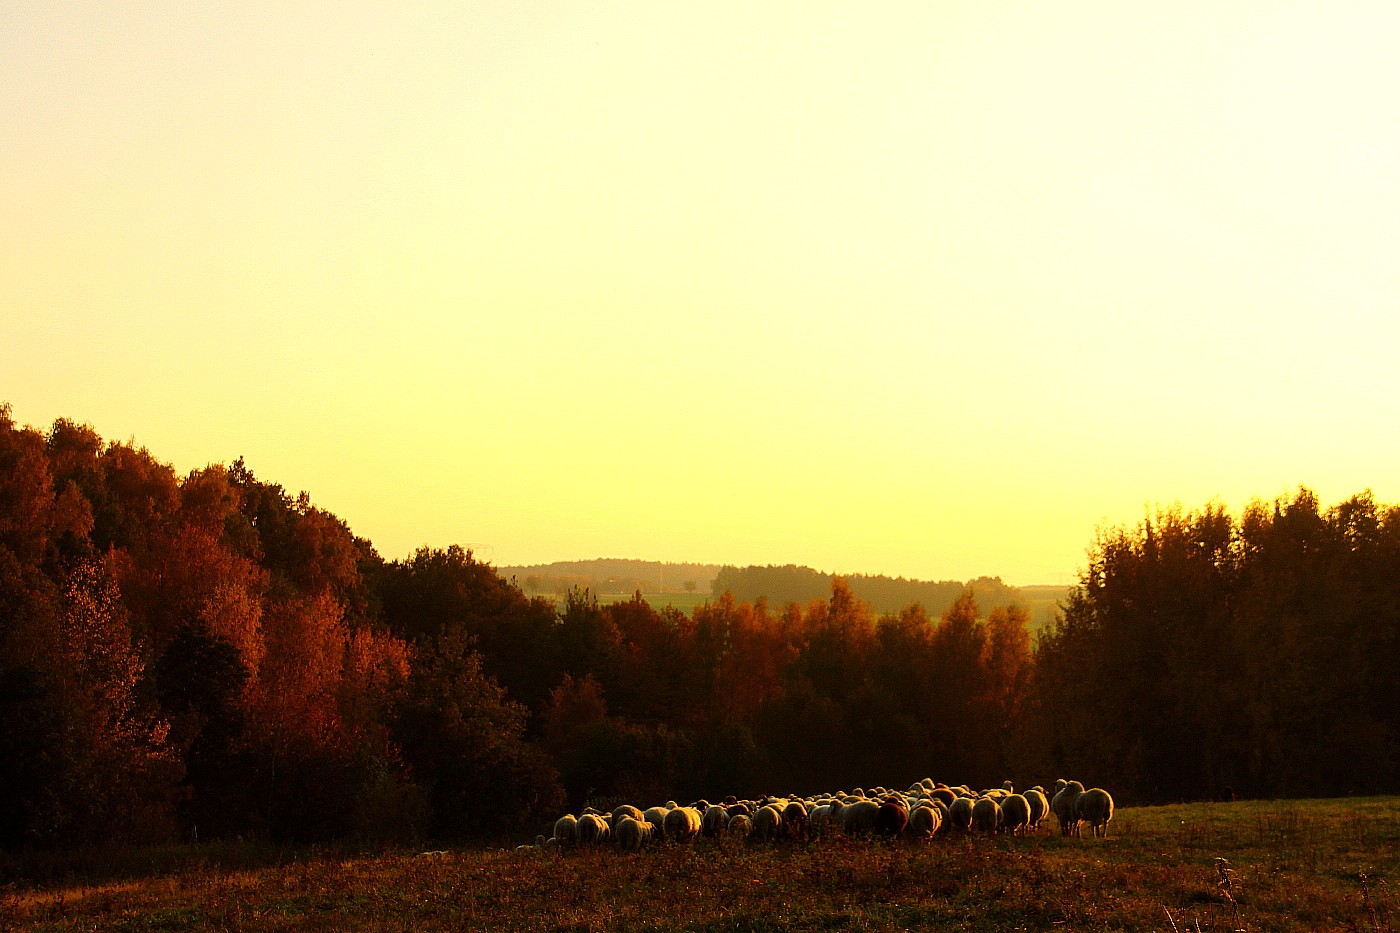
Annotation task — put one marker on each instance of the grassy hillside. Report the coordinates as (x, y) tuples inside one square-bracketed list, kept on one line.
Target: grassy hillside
[(1043, 603), (685, 586), (1288, 865)]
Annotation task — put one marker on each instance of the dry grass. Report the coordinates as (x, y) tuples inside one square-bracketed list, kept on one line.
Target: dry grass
[(1265, 866)]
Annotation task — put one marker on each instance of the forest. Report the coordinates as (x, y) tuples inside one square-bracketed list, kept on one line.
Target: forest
[(204, 656), (791, 583)]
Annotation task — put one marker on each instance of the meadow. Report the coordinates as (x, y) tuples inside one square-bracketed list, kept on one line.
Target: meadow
[(1290, 865), (683, 602)]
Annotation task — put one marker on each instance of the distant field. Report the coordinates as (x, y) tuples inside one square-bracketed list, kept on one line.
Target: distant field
[(1041, 609), (1287, 866), (685, 602)]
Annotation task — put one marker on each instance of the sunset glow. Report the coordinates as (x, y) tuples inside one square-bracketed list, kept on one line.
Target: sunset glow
[(920, 289)]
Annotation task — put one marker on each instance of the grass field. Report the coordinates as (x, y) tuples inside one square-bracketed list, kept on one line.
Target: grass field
[(685, 602), (1288, 866), (1040, 609)]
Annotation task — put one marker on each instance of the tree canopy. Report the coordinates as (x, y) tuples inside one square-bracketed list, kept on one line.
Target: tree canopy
[(204, 655)]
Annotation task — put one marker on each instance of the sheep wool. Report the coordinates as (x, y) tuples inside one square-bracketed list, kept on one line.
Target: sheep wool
[(1015, 814), (1095, 807)]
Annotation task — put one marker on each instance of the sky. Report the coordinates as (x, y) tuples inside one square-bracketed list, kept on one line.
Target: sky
[(928, 289)]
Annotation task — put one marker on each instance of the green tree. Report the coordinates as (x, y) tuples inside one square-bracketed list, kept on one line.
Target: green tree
[(463, 743), (438, 592), (199, 681)]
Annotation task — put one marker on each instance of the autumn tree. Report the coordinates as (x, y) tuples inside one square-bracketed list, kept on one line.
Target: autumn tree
[(958, 684), (118, 771)]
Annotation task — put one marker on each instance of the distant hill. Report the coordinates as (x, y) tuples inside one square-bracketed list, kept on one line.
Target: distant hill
[(791, 583), (611, 576), (1043, 603), (779, 585)]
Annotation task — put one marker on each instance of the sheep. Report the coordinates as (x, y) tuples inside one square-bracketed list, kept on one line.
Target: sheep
[(627, 809), (656, 816), (986, 815), (795, 820), (858, 819), (1095, 807), (767, 823), (944, 823), (891, 816), (630, 834), (927, 808), (536, 846), (1015, 813), (591, 830), (924, 821), (945, 794), (1040, 808), (713, 821), (960, 814), (833, 822), (566, 830), (682, 824), (1063, 805)]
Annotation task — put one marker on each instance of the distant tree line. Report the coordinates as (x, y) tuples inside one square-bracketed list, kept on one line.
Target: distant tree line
[(207, 655), (610, 576), (792, 583)]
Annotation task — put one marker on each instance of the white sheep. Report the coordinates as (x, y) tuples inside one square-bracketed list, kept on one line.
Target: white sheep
[(1015, 813), (656, 816), (924, 821), (630, 834), (1040, 807), (767, 823), (986, 815), (626, 809), (858, 819), (960, 814), (566, 830), (834, 820), (713, 820), (682, 824), (591, 830), (1095, 807)]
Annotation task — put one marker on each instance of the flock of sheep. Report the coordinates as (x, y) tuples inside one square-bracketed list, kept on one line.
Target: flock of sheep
[(923, 811)]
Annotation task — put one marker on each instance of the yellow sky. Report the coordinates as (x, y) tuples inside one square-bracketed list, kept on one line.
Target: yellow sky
[(927, 289)]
